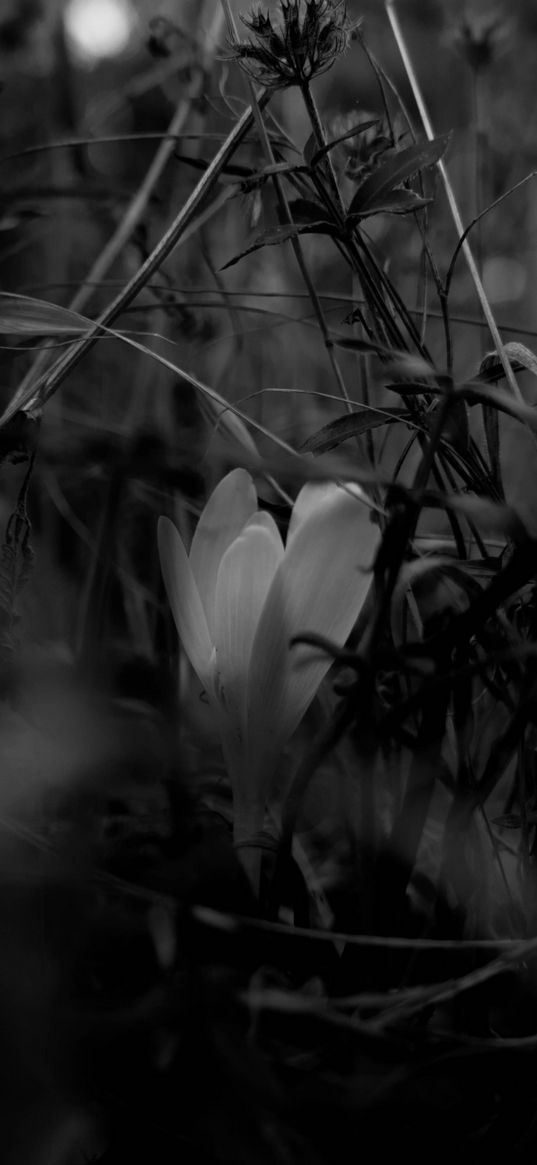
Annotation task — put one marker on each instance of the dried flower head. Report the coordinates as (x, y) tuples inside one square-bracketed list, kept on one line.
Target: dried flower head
[(304, 40), (481, 40)]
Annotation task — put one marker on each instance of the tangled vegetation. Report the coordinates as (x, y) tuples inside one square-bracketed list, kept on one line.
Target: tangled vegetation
[(268, 804)]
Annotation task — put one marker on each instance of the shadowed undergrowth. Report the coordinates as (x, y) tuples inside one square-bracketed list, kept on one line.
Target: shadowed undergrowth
[(214, 265)]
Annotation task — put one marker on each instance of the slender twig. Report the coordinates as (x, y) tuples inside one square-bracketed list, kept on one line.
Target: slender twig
[(334, 297)]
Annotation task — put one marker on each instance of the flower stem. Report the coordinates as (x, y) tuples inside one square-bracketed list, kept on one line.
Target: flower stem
[(287, 217), (246, 839), (319, 134)]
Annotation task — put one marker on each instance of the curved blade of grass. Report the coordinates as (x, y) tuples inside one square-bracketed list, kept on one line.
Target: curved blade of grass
[(23, 315), (351, 425), (30, 397)]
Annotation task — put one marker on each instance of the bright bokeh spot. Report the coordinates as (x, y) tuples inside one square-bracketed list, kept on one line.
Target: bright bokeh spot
[(98, 29)]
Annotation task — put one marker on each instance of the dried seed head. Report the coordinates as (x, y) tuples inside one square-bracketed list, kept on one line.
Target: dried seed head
[(481, 40), (302, 42)]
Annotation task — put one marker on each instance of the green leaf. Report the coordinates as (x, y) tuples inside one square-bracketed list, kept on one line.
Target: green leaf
[(305, 210), (257, 178), (22, 315), (282, 235), (310, 149), (351, 133), (350, 425), (398, 201), (402, 165)]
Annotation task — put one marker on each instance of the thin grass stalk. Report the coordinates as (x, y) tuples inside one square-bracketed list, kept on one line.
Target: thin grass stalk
[(333, 297), (384, 80), (377, 279), (452, 201), (134, 212), (320, 138), (287, 217), (491, 421), (115, 244), (404, 312), (32, 401), (401, 528)]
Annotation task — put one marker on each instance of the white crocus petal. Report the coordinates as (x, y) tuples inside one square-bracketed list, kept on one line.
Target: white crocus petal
[(184, 599), (245, 575), (319, 587), (315, 494), (312, 495), (263, 518), (230, 505)]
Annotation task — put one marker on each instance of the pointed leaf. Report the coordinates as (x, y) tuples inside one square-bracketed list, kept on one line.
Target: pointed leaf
[(474, 392), (310, 149), (402, 165), (184, 600), (401, 363), (231, 426), (227, 511), (238, 173), (351, 425), (258, 178), (359, 128), (305, 210), (398, 201), (23, 315), (283, 234)]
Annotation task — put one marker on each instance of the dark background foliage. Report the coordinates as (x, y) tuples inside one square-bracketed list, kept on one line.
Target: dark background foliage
[(151, 1008)]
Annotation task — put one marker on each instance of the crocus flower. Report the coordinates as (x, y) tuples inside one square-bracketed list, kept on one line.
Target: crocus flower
[(240, 597)]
